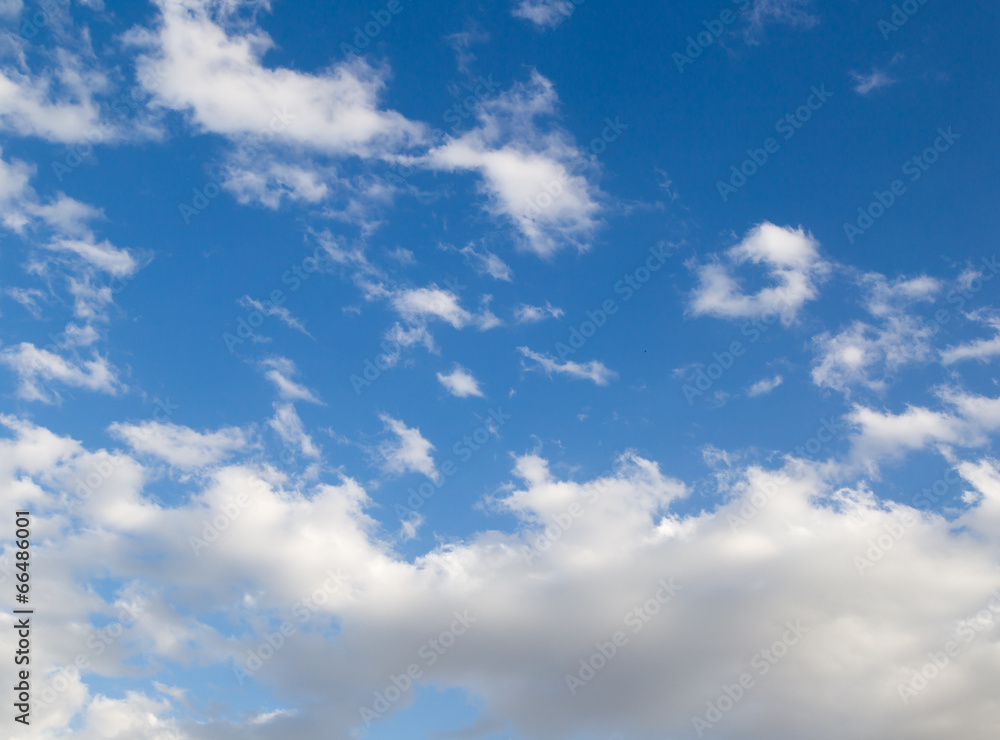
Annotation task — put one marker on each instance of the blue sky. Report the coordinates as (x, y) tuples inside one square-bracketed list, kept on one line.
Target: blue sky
[(398, 292)]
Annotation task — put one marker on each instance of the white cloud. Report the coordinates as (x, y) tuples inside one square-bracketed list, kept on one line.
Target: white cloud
[(527, 314), (764, 386), (37, 368), (460, 382), (288, 425), (487, 263), (875, 80), (595, 370), (57, 106), (416, 305), (867, 355), (202, 58), (103, 256), (421, 303), (982, 350), (530, 175), (408, 453), (271, 309), (741, 571), (762, 13), (968, 422), (792, 260), (180, 446), (544, 13), (279, 370)]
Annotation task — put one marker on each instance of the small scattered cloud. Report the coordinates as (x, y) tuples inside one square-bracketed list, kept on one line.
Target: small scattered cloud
[(528, 314), (409, 452), (180, 446), (460, 383), (765, 386), (594, 371), (544, 14), (792, 260)]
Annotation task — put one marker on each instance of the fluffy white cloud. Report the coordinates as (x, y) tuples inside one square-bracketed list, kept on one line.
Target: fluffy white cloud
[(57, 106), (409, 452), (531, 175), (419, 304), (180, 446), (792, 260), (967, 421), (204, 58), (37, 369), (594, 371), (869, 588), (460, 382)]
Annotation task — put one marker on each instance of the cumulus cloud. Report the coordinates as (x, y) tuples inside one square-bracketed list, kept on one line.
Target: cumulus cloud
[(531, 172), (858, 589), (202, 58), (460, 382), (792, 260), (416, 305), (594, 371), (178, 445), (408, 452)]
